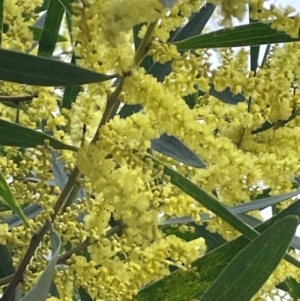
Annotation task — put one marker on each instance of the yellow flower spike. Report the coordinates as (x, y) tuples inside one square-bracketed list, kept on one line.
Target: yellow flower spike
[(10, 201)]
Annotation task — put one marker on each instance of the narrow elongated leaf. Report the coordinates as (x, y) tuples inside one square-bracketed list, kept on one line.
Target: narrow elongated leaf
[(227, 96), (70, 95), (262, 203), (47, 43), (206, 269), (253, 265), (13, 134), (212, 240), (30, 212), (6, 267), (1, 19), (195, 24), (266, 126), (265, 55), (84, 296), (10, 201), (67, 5), (37, 32), (253, 34), (193, 27), (254, 50), (207, 201), (172, 147), (40, 291), (33, 70)]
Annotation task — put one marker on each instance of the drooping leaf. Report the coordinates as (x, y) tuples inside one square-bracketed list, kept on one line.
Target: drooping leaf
[(206, 269), (49, 36), (253, 265), (252, 34), (33, 70), (174, 148), (9, 199), (40, 291), (13, 134)]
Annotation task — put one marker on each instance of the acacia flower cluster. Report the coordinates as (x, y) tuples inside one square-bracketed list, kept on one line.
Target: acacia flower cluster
[(113, 243)]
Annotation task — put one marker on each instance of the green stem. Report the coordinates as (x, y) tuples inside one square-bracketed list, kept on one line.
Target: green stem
[(144, 45), (112, 102)]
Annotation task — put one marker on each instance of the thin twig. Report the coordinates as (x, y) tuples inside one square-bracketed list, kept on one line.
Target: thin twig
[(62, 258), (37, 238), (145, 43), (34, 243), (17, 99), (111, 103)]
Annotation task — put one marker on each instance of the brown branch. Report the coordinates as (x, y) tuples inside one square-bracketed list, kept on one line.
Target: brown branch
[(62, 258)]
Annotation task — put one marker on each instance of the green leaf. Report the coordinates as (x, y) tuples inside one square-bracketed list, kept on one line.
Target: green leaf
[(33, 70), (30, 211), (253, 34), (47, 43), (40, 291), (84, 296), (13, 134), (262, 203), (206, 269), (266, 55), (67, 5), (43, 7), (212, 240), (6, 267), (293, 288), (254, 50), (266, 126), (226, 95), (70, 95), (37, 32), (170, 146), (253, 265), (195, 24), (9, 200), (207, 201), (1, 19)]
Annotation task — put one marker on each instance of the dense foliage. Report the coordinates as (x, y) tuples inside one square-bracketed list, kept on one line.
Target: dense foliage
[(132, 166)]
